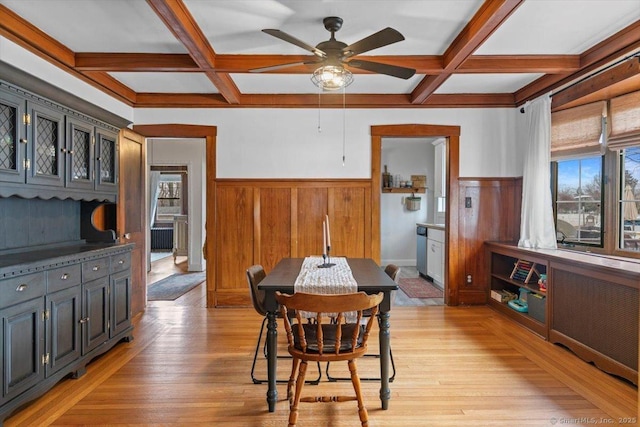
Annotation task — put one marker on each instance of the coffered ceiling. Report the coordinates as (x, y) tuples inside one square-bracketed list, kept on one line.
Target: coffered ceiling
[(466, 53)]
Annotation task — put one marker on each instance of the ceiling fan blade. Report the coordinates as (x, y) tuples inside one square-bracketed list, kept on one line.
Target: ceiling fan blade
[(381, 38), (290, 39), (377, 67)]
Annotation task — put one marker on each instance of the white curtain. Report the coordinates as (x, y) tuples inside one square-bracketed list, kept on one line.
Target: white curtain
[(537, 229)]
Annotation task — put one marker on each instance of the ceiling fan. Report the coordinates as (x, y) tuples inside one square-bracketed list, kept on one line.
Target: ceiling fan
[(334, 53)]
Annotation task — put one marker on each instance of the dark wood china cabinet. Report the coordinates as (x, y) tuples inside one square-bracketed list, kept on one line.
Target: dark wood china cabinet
[(65, 284)]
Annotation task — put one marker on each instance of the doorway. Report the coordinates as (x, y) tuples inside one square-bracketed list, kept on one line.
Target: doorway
[(451, 156), (408, 211)]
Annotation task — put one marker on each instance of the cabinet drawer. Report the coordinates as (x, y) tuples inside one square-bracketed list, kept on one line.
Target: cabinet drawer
[(120, 262), (436, 234), (63, 277), (95, 269), (22, 288)]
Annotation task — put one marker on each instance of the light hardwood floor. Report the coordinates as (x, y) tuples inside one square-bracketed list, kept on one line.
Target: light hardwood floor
[(457, 366)]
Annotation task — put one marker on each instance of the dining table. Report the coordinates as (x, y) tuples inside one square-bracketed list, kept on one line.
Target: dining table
[(370, 278)]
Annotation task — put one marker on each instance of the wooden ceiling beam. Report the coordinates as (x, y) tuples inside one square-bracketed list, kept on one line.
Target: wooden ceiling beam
[(489, 17), (177, 18), (425, 64), (627, 70), (547, 64), (152, 62), (172, 100)]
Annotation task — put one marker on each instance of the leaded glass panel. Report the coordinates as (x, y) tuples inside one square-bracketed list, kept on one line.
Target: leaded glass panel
[(81, 154), (47, 148), (8, 137), (107, 161)]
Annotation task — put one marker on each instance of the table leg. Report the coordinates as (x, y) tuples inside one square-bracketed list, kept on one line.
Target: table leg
[(272, 360), (385, 336)]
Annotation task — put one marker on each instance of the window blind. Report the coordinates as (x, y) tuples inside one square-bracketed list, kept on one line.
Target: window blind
[(576, 131), (624, 113)]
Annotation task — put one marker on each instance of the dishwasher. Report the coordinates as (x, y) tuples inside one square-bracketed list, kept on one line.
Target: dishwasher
[(421, 250)]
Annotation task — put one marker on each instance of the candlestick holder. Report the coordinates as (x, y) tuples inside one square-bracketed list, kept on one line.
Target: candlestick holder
[(326, 259)]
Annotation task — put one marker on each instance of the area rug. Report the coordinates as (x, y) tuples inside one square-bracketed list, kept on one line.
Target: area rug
[(417, 287), (174, 286)]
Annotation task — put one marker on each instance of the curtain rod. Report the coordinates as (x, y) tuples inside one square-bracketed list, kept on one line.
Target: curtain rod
[(595, 73)]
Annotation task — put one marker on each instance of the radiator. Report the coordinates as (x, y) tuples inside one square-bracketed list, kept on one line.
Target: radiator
[(180, 236), (161, 238)]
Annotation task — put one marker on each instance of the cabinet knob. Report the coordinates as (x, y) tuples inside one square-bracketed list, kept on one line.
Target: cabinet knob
[(21, 288), (70, 151), (96, 268), (65, 276), (23, 140), (84, 320), (64, 150), (121, 262), (127, 236)]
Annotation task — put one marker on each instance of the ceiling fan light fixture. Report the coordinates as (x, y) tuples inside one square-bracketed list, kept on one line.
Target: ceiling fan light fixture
[(332, 77)]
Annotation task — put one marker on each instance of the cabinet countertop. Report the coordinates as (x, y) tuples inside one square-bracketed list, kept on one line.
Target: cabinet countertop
[(13, 264), (430, 225)]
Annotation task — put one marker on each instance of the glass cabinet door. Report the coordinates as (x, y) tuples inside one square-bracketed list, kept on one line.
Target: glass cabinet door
[(106, 165), (11, 137), (79, 152), (45, 159)]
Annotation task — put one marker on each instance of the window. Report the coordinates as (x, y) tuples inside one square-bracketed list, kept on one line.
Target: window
[(630, 201), (596, 188), (169, 197), (579, 200)]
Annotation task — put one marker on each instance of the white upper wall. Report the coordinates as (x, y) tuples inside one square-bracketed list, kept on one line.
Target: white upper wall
[(285, 143)]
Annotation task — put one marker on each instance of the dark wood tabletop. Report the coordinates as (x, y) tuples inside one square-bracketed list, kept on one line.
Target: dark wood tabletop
[(367, 274)]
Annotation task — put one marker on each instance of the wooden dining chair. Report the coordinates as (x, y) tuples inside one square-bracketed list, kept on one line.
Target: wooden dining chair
[(255, 275), (393, 271), (326, 328)]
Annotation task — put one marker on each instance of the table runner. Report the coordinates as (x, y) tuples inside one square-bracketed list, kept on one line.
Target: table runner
[(333, 280)]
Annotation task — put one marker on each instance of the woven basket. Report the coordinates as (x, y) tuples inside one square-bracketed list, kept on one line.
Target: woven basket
[(413, 203)]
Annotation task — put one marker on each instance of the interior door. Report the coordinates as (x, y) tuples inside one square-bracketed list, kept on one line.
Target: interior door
[(131, 211)]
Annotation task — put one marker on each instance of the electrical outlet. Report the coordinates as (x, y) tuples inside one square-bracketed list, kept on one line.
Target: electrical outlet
[(467, 202)]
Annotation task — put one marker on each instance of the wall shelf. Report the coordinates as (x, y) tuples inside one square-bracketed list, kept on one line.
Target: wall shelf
[(404, 190)]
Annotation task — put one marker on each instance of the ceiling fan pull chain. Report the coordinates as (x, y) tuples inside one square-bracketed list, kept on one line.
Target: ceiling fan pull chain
[(319, 128), (344, 122)]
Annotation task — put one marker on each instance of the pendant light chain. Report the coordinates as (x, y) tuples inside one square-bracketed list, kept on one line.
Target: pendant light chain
[(344, 123), (319, 92)]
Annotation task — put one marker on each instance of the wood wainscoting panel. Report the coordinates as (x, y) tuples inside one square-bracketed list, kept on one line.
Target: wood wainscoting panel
[(235, 243), (312, 208), (261, 221), (494, 214), (272, 225), (347, 232)]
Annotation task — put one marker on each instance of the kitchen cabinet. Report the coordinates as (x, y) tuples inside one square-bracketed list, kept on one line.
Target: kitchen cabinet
[(21, 312), (55, 151), (435, 255), (60, 308)]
